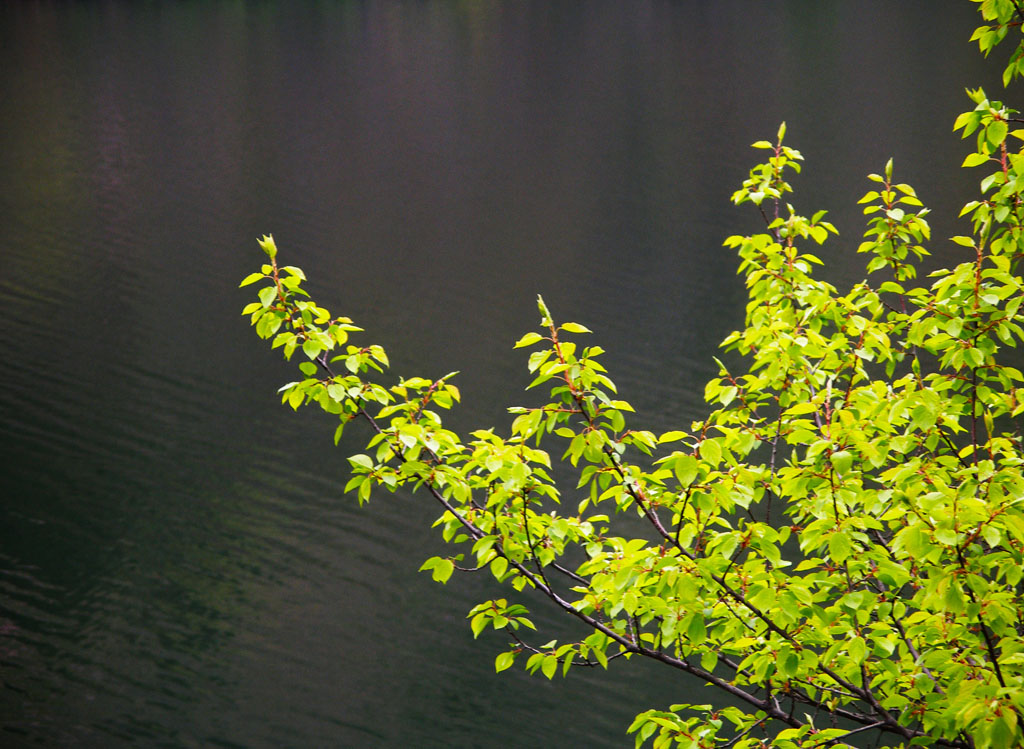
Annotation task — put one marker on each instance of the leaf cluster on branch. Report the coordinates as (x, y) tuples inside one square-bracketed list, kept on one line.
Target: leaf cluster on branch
[(838, 546)]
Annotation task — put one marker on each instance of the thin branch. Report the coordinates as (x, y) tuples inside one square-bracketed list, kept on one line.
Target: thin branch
[(770, 705)]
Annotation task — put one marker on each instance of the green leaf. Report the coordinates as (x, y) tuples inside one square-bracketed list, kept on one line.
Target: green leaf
[(673, 436), (801, 408), (711, 451), (841, 461), (363, 461), (789, 663), (574, 327), (839, 546), (478, 623), (499, 565), (443, 569), (549, 665), (504, 661), (268, 295), (685, 468), (995, 133), (975, 159), (696, 632), (528, 340), (857, 650)]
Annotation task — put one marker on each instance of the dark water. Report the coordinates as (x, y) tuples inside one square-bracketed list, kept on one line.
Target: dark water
[(177, 564)]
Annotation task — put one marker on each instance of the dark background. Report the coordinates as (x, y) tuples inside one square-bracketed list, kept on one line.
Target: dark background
[(178, 566)]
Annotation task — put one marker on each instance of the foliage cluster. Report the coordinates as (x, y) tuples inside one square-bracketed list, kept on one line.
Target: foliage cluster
[(838, 546)]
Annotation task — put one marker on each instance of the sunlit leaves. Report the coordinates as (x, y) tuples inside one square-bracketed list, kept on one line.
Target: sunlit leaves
[(843, 533), (504, 661), (441, 569)]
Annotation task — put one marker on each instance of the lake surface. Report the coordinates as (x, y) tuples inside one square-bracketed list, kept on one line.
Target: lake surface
[(178, 566)]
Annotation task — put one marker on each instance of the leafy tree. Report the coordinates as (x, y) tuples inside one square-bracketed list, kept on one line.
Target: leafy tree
[(838, 546)]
